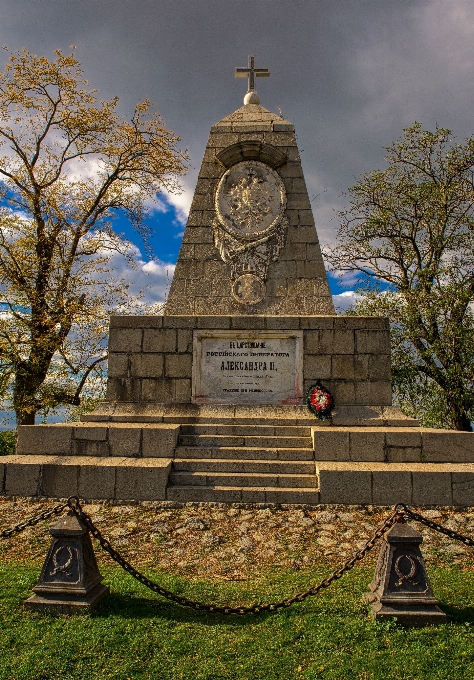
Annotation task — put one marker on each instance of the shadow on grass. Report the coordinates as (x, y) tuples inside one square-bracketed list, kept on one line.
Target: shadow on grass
[(133, 607), (457, 614)]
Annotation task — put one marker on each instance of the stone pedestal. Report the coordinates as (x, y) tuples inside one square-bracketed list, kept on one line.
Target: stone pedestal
[(70, 582), (401, 588)]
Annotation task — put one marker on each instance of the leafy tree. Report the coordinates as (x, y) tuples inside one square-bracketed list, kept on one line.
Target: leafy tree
[(69, 164), (7, 442), (408, 235)]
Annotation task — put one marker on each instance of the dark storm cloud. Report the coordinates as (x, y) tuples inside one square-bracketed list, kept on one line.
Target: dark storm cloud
[(349, 74)]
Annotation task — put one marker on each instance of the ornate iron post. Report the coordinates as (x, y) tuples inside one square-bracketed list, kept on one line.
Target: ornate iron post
[(70, 581), (400, 587)]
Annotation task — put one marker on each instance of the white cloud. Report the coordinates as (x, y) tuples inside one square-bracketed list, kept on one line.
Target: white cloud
[(157, 268), (345, 279), (180, 203), (345, 300), (80, 169), (158, 205), (153, 277)]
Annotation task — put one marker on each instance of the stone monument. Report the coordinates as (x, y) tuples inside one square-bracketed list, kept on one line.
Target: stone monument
[(207, 402)]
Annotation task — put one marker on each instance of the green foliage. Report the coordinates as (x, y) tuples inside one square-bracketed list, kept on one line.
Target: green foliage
[(136, 635), (418, 395), (411, 226), (7, 442)]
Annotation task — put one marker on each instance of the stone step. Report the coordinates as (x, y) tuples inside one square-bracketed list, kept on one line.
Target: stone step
[(236, 494), (247, 466), (307, 421), (351, 483), (392, 445), (262, 442), (247, 453), (223, 479), (228, 414), (202, 414), (266, 430), (389, 483)]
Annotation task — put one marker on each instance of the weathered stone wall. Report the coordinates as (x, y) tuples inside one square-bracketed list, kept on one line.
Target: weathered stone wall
[(118, 478), (392, 445), (151, 357), (127, 440), (390, 483)]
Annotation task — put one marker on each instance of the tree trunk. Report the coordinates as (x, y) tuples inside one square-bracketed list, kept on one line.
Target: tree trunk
[(23, 418), (27, 380), (462, 422), (455, 399)]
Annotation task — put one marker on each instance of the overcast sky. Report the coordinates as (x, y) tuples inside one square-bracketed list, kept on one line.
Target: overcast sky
[(350, 74)]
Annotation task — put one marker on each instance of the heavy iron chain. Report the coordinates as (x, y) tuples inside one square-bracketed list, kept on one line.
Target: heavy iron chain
[(216, 609), (46, 514), (399, 514), (437, 527)]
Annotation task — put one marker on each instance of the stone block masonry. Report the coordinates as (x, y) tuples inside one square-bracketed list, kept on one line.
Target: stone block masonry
[(122, 440), (392, 445), (87, 477), (154, 365), (389, 483)]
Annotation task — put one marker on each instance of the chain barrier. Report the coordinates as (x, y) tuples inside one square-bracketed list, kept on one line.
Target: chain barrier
[(437, 527), (399, 514), (213, 608), (46, 514)]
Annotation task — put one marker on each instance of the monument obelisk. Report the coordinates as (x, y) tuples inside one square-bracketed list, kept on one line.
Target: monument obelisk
[(250, 245)]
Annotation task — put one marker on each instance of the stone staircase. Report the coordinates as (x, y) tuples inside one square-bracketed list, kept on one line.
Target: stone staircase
[(241, 454), (243, 463)]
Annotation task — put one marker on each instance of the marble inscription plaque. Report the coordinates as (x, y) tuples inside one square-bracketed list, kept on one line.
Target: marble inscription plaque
[(247, 367)]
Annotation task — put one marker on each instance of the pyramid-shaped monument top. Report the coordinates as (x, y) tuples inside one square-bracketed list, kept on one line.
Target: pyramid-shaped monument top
[(250, 245)]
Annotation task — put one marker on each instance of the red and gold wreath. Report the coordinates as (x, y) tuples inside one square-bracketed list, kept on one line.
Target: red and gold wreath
[(320, 401)]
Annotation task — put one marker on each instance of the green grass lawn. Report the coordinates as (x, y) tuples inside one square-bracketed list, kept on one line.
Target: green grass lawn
[(135, 634)]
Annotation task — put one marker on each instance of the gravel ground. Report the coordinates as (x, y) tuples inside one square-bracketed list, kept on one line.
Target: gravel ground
[(227, 542)]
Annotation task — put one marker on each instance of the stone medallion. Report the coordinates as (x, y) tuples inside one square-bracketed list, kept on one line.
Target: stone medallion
[(250, 229), (250, 200), (248, 289)]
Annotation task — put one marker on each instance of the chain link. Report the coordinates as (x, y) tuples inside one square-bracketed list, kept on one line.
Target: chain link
[(46, 514), (213, 608), (437, 527), (399, 514)]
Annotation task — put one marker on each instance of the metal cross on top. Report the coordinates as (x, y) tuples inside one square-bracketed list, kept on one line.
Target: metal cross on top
[(252, 73)]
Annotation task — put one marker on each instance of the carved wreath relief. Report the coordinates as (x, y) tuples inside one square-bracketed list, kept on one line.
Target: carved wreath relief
[(250, 228)]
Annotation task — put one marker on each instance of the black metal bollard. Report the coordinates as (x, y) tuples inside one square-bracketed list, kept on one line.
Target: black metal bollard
[(70, 582), (400, 587)]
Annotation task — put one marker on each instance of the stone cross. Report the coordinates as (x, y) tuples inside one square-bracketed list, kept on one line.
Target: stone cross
[(252, 73)]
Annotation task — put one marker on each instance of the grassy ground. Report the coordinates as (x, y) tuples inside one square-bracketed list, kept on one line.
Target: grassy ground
[(137, 635), (330, 637)]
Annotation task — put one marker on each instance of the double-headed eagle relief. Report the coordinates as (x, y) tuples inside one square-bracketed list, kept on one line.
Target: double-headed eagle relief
[(250, 228), (250, 202)]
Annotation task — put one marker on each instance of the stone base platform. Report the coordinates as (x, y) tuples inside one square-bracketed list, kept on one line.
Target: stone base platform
[(267, 454), (343, 416), (428, 484)]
